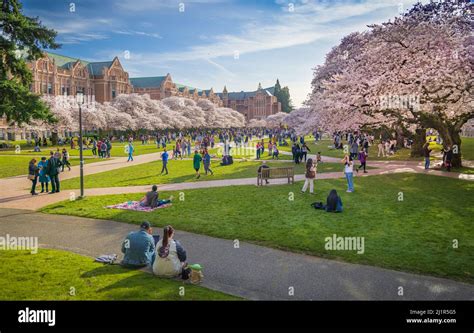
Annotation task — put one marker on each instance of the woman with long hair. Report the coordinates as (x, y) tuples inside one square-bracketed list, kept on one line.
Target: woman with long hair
[(33, 172), (333, 202), (349, 172), (310, 175), (170, 255)]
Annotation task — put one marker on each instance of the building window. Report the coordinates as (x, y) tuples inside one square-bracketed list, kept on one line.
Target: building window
[(50, 89), (113, 93)]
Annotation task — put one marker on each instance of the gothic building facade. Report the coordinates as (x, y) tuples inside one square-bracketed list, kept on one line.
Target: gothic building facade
[(56, 75)]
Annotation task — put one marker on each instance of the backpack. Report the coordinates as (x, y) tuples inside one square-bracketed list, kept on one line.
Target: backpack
[(318, 205), (107, 259)]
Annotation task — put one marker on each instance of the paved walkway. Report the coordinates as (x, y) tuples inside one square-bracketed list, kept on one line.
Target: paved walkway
[(250, 271), (14, 192)]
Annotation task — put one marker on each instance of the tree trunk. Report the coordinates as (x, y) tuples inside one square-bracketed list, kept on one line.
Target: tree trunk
[(451, 138), (418, 142), (54, 138)]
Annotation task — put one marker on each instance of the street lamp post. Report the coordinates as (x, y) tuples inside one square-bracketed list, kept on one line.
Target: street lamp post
[(80, 100)]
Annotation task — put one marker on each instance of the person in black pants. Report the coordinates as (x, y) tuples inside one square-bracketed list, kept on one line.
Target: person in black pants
[(33, 172), (53, 171)]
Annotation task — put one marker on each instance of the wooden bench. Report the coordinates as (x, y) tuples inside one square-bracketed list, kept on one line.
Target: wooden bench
[(273, 173)]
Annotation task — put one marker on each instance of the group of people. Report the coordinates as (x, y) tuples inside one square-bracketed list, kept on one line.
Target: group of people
[(299, 152), (47, 170)]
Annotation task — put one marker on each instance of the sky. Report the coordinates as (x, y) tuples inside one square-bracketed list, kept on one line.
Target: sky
[(212, 43)]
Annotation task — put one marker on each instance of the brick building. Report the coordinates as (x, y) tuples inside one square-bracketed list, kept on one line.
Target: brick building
[(56, 75), (256, 104)]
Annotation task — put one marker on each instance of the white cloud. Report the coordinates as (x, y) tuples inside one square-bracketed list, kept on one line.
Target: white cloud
[(138, 33)]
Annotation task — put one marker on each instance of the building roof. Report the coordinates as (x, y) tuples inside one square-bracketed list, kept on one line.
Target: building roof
[(147, 82), (182, 86), (246, 94), (94, 68), (64, 61)]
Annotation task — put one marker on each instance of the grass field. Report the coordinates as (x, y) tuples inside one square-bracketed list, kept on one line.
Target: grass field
[(50, 275), (325, 147), (415, 234), (118, 149), (18, 165), (180, 171)]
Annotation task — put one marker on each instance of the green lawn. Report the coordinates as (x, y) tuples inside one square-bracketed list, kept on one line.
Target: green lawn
[(18, 165), (180, 171), (50, 274), (414, 235), (118, 149), (324, 146)]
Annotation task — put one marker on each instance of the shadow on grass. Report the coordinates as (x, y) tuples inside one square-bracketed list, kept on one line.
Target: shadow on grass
[(108, 270)]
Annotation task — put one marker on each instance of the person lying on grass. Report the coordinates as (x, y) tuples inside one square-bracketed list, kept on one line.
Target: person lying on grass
[(151, 199), (170, 258), (139, 247)]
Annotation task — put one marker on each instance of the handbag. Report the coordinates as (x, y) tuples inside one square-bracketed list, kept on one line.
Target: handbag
[(31, 177)]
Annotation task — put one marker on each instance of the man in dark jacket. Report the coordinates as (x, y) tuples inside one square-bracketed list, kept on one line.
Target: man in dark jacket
[(426, 153), (52, 170)]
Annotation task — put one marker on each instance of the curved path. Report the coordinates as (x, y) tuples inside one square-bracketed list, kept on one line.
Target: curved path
[(249, 271)]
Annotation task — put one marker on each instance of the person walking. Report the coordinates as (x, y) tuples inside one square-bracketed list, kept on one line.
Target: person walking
[(65, 160), (426, 153), (197, 163), (349, 173), (207, 162), (354, 149), (310, 175), (362, 159), (164, 159), (304, 152), (33, 172), (381, 147), (94, 147), (130, 152), (43, 177)]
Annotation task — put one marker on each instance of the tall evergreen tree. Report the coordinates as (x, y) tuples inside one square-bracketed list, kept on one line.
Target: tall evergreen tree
[(283, 96), (21, 40)]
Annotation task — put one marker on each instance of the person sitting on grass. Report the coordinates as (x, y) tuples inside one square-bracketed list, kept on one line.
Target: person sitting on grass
[(333, 202), (170, 255), (139, 247), (151, 199)]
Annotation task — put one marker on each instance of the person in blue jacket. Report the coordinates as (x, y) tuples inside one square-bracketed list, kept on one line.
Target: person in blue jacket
[(164, 159), (130, 152), (139, 247)]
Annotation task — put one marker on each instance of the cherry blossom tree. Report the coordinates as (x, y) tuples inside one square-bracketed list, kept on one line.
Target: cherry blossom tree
[(413, 72)]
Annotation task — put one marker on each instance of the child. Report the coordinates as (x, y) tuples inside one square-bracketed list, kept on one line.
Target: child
[(318, 158)]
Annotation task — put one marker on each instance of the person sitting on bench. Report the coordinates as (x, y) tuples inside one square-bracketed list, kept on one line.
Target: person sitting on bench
[(260, 169)]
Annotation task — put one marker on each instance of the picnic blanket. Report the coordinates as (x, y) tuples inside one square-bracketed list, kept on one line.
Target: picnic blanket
[(135, 205)]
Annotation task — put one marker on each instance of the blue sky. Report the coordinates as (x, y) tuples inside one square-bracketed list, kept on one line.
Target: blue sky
[(212, 43)]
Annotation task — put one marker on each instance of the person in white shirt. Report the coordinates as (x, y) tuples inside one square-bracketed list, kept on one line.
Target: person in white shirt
[(170, 255), (310, 175), (349, 172)]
